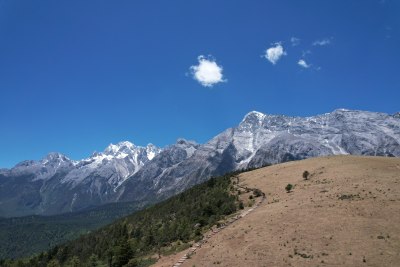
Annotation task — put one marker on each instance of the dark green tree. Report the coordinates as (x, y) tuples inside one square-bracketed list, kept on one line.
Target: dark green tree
[(289, 188), (93, 261), (74, 262), (53, 263), (122, 255)]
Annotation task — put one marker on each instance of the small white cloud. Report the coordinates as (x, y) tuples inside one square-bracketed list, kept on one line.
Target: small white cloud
[(303, 63), (273, 54), (207, 72), (322, 42), (295, 41)]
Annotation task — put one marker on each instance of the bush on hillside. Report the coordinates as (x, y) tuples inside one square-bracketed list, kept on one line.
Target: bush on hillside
[(305, 175), (289, 188)]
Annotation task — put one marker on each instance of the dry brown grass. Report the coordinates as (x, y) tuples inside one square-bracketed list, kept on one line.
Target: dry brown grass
[(346, 214)]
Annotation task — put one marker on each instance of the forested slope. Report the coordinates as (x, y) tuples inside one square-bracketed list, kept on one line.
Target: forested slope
[(24, 236), (160, 229)]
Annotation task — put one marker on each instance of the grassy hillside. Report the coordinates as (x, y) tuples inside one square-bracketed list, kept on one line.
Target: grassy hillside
[(24, 236), (346, 213), (160, 229)]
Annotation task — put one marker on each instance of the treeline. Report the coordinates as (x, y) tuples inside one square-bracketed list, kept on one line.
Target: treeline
[(25, 236), (131, 241)]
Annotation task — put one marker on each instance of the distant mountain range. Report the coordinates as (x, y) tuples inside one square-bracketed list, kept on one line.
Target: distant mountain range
[(125, 172)]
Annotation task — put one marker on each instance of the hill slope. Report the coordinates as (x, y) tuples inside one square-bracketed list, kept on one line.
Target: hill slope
[(346, 214)]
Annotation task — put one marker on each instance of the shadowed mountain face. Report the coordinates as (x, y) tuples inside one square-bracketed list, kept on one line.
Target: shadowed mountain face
[(124, 172)]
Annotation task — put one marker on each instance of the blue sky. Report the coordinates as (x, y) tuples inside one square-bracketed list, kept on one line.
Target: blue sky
[(78, 75)]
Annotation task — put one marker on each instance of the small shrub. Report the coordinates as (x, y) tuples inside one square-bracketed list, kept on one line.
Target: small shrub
[(289, 188), (305, 175), (257, 193)]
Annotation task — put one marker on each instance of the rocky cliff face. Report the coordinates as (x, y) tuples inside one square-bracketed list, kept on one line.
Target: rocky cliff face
[(124, 172)]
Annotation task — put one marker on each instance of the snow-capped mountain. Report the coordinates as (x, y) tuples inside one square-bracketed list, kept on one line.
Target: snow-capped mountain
[(262, 139), (116, 163), (57, 184), (42, 169), (125, 172), (140, 186)]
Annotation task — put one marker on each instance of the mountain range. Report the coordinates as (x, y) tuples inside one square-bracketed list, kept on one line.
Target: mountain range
[(125, 172)]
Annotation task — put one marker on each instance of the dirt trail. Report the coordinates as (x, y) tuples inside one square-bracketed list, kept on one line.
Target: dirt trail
[(346, 214), (215, 231), (183, 256)]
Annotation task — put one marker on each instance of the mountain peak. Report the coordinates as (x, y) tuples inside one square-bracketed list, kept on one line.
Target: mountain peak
[(113, 149), (253, 116), (255, 113), (55, 156), (150, 145), (152, 151)]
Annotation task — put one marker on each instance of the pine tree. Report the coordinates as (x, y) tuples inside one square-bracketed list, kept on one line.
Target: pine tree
[(53, 263), (74, 262)]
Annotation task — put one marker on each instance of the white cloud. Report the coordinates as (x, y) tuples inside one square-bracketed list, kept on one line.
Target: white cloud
[(303, 63), (273, 54), (207, 72), (295, 41), (322, 42)]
